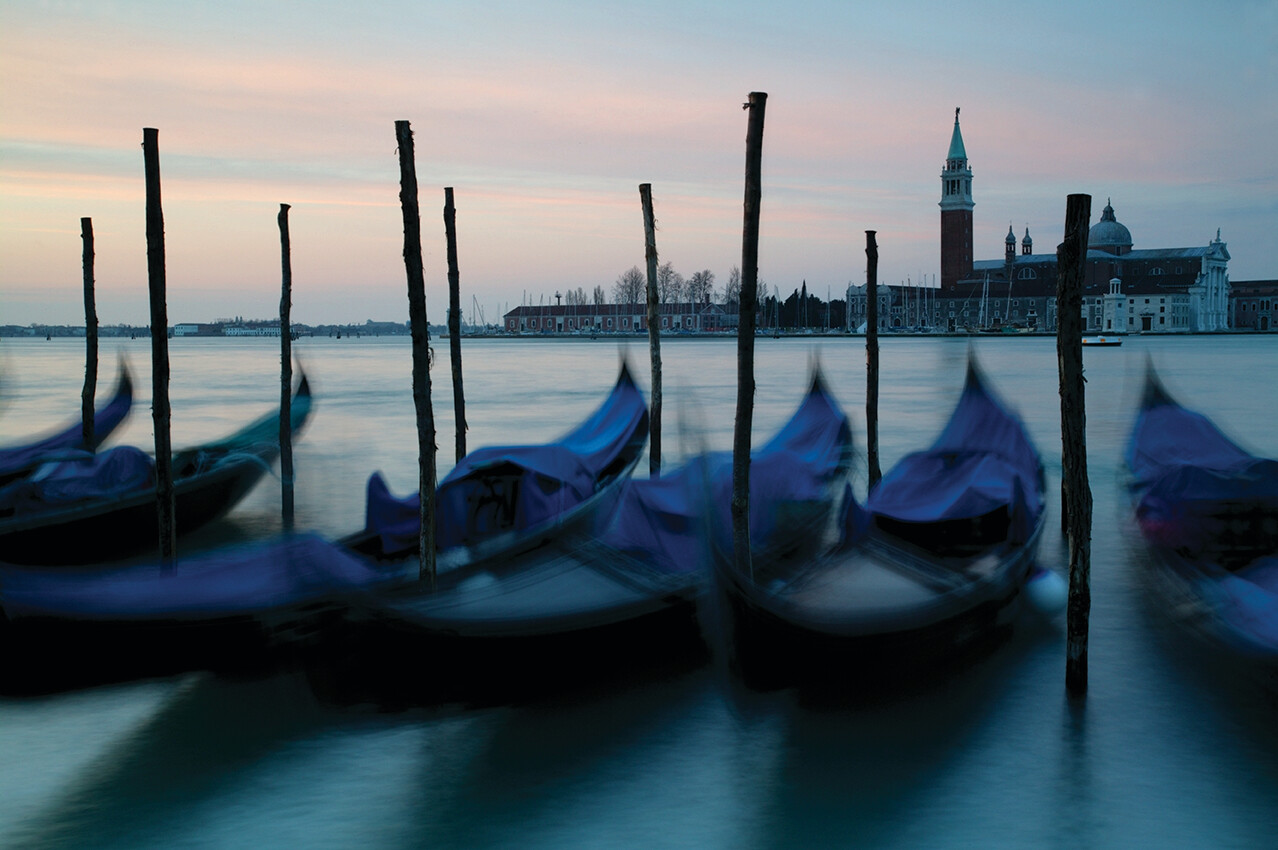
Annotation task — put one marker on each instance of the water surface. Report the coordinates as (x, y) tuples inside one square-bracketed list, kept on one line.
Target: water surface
[(1171, 748)]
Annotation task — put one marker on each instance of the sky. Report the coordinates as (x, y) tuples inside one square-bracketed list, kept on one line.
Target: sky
[(545, 117)]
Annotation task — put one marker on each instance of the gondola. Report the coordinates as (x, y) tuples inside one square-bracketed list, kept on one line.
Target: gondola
[(18, 461), (1207, 510), (95, 509), (233, 610), (502, 499), (619, 594), (242, 608), (932, 565)]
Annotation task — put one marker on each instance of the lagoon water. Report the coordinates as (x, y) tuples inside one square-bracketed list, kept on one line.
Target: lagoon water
[(1170, 748)]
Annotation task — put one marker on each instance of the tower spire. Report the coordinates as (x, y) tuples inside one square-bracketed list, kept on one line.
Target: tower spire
[(956, 212)]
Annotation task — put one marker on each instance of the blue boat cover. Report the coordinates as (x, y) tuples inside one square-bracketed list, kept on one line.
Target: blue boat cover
[(1167, 436), (1248, 601), (14, 460), (794, 477), (656, 521), (78, 476), (982, 461), (1192, 482), (514, 488), (233, 581), (660, 521), (81, 477)]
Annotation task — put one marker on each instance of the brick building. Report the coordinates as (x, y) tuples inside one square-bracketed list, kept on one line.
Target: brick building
[(686, 317)]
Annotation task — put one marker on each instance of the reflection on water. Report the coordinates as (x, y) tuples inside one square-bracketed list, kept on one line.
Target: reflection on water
[(1169, 749)]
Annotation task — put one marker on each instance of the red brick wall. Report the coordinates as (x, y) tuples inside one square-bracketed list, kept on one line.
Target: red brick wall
[(956, 247)]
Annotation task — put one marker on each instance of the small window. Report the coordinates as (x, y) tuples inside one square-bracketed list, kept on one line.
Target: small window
[(1156, 270)]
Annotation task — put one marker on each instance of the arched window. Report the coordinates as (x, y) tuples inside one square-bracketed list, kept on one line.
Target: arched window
[(1027, 274), (1156, 270)]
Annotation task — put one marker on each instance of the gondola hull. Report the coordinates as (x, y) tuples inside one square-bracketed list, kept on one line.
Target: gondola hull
[(547, 619), (622, 594), (872, 615), (1207, 510), (931, 569), (249, 608), (209, 481)]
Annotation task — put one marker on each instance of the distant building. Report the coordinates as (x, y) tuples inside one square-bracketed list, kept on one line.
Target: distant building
[(1159, 290), (195, 329), (1253, 305), (251, 330), (686, 316)]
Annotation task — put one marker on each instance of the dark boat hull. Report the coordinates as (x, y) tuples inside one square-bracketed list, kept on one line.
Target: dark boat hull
[(932, 568), (779, 642), (110, 527), (247, 608), (129, 525), (557, 616)]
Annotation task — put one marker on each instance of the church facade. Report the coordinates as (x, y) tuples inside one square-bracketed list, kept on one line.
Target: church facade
[(1125, 289)]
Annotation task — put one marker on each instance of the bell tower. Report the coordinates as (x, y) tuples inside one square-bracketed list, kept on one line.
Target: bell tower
[(956, 213)]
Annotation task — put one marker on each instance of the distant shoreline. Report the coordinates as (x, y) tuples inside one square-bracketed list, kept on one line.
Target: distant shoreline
[(65, 333)]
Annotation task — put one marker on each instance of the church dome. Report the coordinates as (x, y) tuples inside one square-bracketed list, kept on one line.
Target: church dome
[(1109, 234)]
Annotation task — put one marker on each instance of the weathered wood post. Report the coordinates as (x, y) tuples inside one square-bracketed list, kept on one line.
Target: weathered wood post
[(286, 370), (654, 331), (160, 414), (757, 105), (872, 360), (90, 339), (421, 348), (1070, 255), (454, 321)]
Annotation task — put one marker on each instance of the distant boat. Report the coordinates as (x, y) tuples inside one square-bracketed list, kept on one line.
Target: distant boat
[(1102, 340)]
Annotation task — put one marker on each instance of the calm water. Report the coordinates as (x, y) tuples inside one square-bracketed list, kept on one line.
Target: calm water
[(1171, 749)]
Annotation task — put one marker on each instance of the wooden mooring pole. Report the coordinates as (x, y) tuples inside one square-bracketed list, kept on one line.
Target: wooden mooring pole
[(1077, 504), (421, 348), (160, 415), (454, 321), (654, 331), (743, 427), (90, 339), (873, 472), (286, 371)]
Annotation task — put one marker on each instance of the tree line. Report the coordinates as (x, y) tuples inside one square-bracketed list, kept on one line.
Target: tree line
[(801, 309)]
